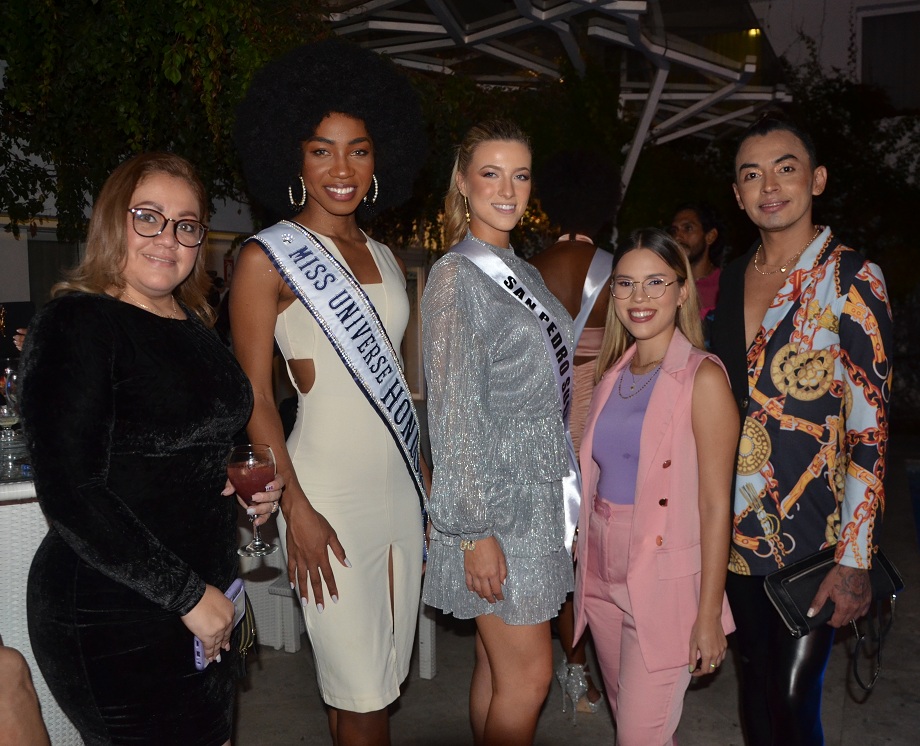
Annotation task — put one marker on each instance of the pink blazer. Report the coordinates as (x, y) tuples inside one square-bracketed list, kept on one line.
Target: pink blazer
[(663, 575)]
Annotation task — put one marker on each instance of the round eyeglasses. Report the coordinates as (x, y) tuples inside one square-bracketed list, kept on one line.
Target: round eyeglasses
[(653, 287), (149, 223)]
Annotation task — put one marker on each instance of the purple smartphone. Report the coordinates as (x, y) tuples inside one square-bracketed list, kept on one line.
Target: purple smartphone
[(237, 594)]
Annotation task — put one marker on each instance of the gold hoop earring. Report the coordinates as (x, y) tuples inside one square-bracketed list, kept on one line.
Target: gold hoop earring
[(303, 195), (373, 199), (466, 204)]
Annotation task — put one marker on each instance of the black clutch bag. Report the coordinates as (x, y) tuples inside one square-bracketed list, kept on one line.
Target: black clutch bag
[(792, 588)]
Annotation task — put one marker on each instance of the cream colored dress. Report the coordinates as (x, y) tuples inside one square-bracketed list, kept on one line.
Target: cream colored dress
[(351, 470)]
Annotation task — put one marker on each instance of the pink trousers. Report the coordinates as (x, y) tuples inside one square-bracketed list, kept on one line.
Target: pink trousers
[(646, 706)]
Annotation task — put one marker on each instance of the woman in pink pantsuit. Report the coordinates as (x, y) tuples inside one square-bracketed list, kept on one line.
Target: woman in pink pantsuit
[(656, 458)]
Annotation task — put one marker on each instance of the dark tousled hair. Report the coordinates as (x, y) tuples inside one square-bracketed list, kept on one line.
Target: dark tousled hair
[(579, 191), (774, 120), (709, 218), (291, 95)]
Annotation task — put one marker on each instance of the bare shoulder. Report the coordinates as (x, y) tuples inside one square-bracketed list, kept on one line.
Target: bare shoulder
[(710, 385)]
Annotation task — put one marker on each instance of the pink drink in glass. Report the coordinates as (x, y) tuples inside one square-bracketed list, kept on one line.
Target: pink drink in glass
[(249, 478)]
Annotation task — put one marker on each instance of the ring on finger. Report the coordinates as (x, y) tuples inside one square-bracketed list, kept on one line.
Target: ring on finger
[(713, 666), (275, 506)]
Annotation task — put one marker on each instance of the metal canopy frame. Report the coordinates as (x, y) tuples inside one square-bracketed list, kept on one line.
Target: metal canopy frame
[(671, 83)]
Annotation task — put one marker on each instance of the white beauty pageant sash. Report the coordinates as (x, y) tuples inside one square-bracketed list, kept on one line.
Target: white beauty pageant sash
[(505, 278), (595, 281), (348, 318)]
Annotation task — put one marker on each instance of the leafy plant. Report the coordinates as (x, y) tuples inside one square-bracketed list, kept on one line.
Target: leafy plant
[(91, 82)]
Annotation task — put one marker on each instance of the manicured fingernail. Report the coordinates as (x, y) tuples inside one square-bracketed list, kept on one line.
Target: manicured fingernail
[(292, 586), (303, 601), (250, 511), (217, 659), (319, 608), (690, 668), (269, 487), (347, 563), (335, 599), (810, 613)]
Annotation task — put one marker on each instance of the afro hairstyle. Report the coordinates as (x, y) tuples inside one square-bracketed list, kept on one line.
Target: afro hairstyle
[(579, 191), (292, 94)]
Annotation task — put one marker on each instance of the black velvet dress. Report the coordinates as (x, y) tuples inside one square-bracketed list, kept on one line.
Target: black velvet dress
[(129, 418)]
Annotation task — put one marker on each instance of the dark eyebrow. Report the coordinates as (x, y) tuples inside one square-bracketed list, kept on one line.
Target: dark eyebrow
[(788, 156), (317, 138), (153, 205), (647, 277)]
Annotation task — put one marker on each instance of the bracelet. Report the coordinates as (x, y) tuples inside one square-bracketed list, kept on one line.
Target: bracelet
[(467, 545)]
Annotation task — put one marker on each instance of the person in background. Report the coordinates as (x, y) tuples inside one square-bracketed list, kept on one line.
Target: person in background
[(696, 226), (579, 191), (656, 463), (130, 404), (329, 133), (803, 326), (497, 347)]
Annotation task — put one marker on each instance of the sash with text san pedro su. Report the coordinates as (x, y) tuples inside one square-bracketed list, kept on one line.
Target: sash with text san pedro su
[(504, 277), (351, 323)]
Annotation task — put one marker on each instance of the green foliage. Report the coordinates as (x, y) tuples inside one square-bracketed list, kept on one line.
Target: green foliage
[(873, 163), (872, 158), (91, 82), (575, 112)]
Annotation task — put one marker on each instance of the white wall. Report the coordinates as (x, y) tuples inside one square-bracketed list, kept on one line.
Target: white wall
[(831, 23), (14, 268)]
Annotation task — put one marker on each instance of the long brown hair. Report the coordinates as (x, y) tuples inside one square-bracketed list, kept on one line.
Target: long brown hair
[(106, 240), (616, 338), (455, 224)]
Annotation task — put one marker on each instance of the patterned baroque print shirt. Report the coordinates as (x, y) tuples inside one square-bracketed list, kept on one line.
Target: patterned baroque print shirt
[(811, 460)]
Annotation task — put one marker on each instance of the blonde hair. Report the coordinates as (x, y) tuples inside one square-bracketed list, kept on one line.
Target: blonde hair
[(106, 240), (454, 206), (616, 338)]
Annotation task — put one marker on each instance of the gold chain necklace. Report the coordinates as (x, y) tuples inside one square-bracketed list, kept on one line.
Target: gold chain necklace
[(651, 377), (154, 311), (789, 261)]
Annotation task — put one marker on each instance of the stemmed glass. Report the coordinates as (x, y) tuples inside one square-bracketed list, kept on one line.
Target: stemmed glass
[(9, 412), (250, 468), (8, 418)]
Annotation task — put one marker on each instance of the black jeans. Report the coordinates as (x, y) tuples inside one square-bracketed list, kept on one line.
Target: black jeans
[(781, 676)]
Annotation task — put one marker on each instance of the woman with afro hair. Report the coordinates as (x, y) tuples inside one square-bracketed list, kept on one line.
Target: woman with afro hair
[(328, 134)]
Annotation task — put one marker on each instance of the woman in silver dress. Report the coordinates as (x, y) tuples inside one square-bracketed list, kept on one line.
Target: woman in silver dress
[(497, 551)]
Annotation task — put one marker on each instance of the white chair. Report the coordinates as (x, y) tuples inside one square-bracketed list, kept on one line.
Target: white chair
[(24, 528)]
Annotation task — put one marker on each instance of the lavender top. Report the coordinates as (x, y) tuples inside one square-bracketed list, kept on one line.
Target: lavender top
[(617, 434)]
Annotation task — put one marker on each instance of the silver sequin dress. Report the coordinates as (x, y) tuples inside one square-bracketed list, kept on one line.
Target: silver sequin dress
[(497, 440)]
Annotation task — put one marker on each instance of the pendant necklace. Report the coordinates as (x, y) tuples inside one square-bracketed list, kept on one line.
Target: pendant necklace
[(789, 261), (633, 391)]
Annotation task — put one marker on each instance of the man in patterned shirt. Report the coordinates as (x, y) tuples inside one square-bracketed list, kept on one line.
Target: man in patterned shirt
[(803, 326)]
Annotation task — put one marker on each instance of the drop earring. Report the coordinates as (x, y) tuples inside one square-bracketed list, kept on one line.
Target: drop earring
[(373, 199), (466, 204), (303, 194)]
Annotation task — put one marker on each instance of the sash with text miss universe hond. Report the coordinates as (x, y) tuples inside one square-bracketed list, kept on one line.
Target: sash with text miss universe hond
[(351, 323), (504, 277)]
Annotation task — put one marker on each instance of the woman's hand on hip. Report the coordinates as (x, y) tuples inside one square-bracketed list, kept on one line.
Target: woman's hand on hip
[(707, 645), (211, 621), (309, 539), (486, 570)]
